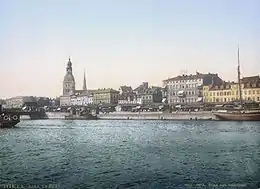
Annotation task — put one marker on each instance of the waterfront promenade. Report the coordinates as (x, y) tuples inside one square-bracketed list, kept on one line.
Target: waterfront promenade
[(202, 115)]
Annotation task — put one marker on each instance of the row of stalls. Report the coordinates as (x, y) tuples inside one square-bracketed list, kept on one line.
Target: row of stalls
[(140, 108)]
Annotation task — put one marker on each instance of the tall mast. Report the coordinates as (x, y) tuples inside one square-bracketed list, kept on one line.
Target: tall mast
[(238, 75)]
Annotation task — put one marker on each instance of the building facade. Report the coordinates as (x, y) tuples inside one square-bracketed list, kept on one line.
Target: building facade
[(225, 92), (105, 96), (141, 88), (251, 88), (81, 100), (151, 95), (229, 91), (127, 96), (188, 89), (20, 102)]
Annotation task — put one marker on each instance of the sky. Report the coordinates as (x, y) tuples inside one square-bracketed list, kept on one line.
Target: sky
[(123, 42)]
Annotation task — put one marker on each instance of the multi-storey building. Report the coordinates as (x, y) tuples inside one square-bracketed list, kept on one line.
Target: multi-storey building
[(81, 100), (187, 89), (20, 102), (229, 91), (152, 95), (105, 96), (251, 88), (141, 88), (225, 92)]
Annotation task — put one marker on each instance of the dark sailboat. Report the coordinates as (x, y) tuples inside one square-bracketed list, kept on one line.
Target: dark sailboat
[(8, 119), (242, 113)]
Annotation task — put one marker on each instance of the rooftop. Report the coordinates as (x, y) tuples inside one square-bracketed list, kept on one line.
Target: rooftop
[(198, 75)]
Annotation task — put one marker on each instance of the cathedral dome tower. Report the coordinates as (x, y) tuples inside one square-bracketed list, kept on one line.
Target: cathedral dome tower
[(69, 81)]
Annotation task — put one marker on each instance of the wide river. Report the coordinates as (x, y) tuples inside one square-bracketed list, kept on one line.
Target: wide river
[(130, 154)]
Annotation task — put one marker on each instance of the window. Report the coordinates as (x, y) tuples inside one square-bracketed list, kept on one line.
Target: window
[(217, 93), (245, 92), (253, 92), (249, 92)]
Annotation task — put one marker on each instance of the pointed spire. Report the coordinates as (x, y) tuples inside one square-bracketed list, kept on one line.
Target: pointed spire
[(84, 81), (238, 56)]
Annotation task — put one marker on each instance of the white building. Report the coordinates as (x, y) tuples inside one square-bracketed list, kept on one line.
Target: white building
[(19, 101), (65, 101), (188, 89), (137, 100), (81, 100)]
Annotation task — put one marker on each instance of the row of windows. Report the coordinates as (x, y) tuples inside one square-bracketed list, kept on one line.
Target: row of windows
[(182, 100), (222, 93), (232, 99), (146, 97), (252, 92), (105, 96), (185, 81), (185, 92), (232, 93), (182, 86)]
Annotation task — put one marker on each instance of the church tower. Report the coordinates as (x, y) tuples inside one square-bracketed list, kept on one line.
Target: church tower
[(69, 81)]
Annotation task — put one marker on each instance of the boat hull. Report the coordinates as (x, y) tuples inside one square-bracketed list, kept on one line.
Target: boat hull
[(9, 124), (9, 120), (233, 116)]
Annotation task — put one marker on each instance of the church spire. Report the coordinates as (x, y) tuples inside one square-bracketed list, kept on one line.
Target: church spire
[(84, 82), (69, 66)]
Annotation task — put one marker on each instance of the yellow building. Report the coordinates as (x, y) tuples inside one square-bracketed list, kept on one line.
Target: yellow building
[(228, 91), (251, 88), (106, 96)]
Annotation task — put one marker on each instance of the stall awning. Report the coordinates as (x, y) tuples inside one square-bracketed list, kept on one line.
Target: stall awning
[(199, 99)]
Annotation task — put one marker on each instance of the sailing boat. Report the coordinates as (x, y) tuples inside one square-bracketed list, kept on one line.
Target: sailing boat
[(240, 114)]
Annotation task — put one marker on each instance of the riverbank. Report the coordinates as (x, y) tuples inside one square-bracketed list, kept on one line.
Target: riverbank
[(203, 115)]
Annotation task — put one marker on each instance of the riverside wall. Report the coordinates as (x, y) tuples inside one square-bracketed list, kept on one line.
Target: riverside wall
[(202, 115), (57, 115)]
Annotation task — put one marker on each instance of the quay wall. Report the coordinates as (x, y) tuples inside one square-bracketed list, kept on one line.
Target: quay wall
[(202, 115), (56, 115), (25, 117)]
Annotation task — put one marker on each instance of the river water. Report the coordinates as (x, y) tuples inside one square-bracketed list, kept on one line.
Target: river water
[(130, 154)]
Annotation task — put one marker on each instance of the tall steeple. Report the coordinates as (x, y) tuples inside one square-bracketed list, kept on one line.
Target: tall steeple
[(69, 67), (84, 82), (68, 81)]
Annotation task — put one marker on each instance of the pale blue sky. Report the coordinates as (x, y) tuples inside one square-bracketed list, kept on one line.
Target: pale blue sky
[(123, 41)]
